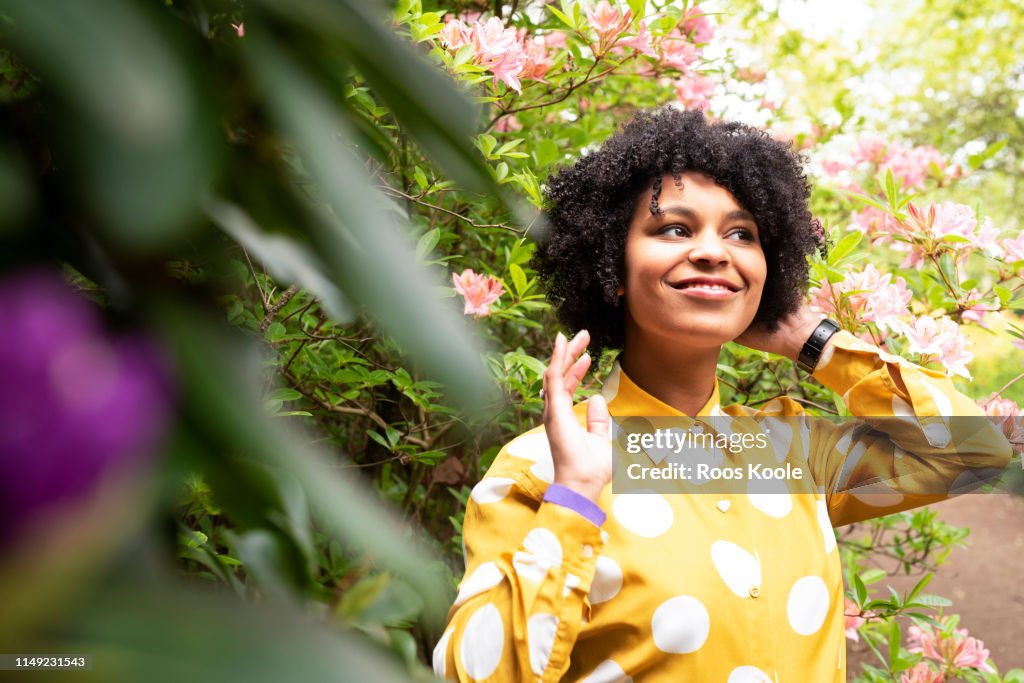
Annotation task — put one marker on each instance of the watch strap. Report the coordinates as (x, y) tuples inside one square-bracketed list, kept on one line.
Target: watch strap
[(815, 344)]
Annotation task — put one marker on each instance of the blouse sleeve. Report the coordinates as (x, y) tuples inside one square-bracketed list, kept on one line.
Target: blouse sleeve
[(903, 450), (529, 566)]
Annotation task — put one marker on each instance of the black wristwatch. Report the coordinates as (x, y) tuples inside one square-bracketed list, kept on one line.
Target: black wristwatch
[(811, 353)]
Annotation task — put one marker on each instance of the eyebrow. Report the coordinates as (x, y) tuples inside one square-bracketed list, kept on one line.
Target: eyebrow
[(687, 212)]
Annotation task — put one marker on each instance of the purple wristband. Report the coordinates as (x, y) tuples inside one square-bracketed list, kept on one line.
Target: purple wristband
[(577, 502)]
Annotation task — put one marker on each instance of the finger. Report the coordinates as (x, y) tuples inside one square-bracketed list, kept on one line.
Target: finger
[(598, 419), (575, 347), (577, 372), (553, 382)]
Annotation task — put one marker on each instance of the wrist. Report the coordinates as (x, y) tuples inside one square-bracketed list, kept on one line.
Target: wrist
[(815, 345), (588, 488)]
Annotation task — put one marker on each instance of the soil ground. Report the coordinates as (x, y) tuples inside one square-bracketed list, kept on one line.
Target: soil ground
[(984, 581)]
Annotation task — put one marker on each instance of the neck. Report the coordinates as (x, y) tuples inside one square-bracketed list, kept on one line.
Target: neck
[(684, 378)]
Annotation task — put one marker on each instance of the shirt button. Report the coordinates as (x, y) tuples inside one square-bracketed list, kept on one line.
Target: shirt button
[(588, 551), (755, 591)]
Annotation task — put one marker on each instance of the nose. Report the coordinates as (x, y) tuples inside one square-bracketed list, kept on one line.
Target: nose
[(709, 248)]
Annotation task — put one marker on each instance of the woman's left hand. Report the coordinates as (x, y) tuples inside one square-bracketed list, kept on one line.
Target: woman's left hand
[(789, 339)]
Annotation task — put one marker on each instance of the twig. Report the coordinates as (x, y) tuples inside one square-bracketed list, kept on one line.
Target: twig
[(471, 222), (276, 308)]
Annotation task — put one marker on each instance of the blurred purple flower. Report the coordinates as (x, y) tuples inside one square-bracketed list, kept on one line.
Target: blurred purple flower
[(75, 402)]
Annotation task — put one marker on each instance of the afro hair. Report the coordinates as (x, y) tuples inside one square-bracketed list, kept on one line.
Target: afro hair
[(590, 204)]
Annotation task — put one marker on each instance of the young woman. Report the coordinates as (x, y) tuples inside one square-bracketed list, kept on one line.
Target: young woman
[(678, 236)]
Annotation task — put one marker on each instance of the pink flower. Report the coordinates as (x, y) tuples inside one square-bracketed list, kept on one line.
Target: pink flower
[(678, 53), (922, 673), (1014, 248), (498, 50), (608, 22), (853, 621), (479, 291), (913, 165), (834, 166), (986, 239), (871, 149), (941, 338), (693, 91), (953, 219), (455, 34), (507, 124), (977, 310), (641, 42), (697, 27), (239, 29), (537, 59), (958, 649), (971, 652), (554, 40)]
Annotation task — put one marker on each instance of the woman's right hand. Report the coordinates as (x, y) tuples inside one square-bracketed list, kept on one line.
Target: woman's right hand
[(582, 457)]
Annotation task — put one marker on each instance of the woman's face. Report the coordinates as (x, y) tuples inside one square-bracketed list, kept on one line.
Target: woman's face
[(695, 272)]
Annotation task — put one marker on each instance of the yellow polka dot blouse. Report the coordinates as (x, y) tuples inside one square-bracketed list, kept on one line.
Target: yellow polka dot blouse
[(706, 588)]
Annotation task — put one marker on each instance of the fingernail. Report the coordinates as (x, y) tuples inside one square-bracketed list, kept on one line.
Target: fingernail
[(559, 338)]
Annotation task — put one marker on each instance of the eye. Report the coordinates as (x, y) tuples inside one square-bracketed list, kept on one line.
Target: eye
[(675, 230), (743, 234)]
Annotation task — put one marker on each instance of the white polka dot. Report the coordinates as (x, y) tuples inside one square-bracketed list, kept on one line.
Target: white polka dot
[(807, 605), (826, 527), (739, 569), (540, 635), (529, 566), (491, 489), (900, 408), (772, 497), (716, 411), (780, 434), (484, 578), (610, 389), (441, 653), (543, 543), (877, 495), (645, 514), (533, 447), (544, 470), (680, 625), (607, 672), (748, 674), (825, 358), (607, 581), (571, 582), (941, 401), (483, 641)]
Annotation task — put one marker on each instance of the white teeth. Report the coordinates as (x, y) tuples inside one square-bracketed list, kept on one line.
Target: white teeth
[(702, 286)]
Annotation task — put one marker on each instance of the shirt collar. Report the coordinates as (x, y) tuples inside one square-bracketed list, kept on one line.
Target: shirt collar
[(625, 398)]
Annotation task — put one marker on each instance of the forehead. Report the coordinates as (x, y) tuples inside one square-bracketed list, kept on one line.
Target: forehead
[(693, 190)]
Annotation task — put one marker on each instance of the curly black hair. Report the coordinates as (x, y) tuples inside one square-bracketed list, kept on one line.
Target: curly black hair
[(590, 204)]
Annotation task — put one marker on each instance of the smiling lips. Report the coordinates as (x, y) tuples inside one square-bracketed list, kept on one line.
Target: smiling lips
[(706, 287)]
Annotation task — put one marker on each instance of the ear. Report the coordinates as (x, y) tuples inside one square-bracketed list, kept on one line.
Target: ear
[(621, 291)]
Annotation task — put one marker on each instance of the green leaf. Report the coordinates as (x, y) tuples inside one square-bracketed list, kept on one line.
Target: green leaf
[(861, 590), (894, 639), (426, 243), (143, 145), (925, 580), (518, 279), (844, 247), (562, 15), (1004, 294), (871, 576), (289, 261)]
